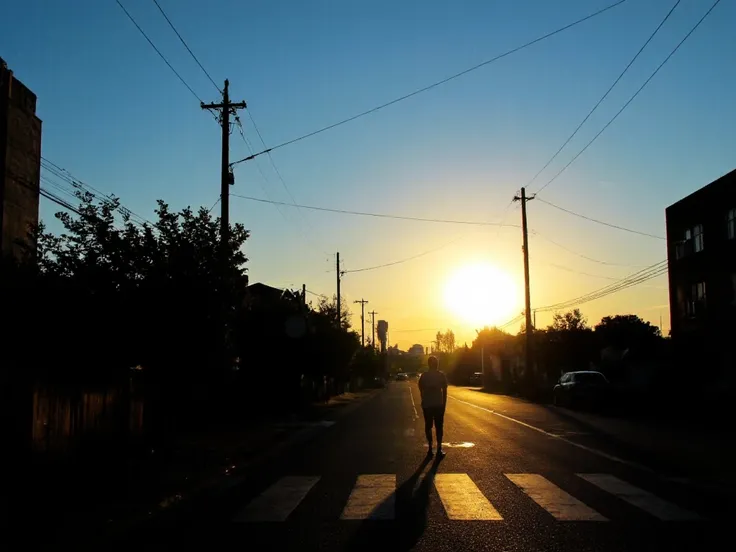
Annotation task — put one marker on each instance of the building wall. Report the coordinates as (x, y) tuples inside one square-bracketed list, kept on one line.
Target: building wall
[(703, 329), (20, 161)]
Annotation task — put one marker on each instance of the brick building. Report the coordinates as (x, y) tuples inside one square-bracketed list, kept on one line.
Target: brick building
[(20, 160), (701, 246)]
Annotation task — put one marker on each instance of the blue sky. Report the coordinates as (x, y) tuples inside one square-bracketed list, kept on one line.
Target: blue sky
[(116, 117)]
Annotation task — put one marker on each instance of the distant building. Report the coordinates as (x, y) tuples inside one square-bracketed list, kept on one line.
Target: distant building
[(20, 161), (701, 250)]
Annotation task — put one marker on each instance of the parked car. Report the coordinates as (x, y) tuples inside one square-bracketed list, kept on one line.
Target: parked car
[(476, 379), (584, 388)]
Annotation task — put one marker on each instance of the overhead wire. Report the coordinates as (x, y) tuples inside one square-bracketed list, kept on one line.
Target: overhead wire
[(597, 221), (417, 256), (586, 257), (636, 278), (158, 51), (378, 215), (433, 85), (602, 98), (186, 45), (631, 99)]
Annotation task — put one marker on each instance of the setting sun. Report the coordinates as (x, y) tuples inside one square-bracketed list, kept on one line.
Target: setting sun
[(481, 295)]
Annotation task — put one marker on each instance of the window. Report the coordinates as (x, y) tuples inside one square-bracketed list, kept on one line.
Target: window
[(732, 224), (696, 302), (698, 238)]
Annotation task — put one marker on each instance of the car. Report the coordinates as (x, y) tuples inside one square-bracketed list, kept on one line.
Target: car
[(584, 388), (401, 377), (476, 379)]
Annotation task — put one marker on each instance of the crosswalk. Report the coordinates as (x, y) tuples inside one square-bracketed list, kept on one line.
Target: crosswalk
[(373, 497)]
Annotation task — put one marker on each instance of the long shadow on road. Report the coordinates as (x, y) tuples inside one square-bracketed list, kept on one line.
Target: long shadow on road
[(412, 502)]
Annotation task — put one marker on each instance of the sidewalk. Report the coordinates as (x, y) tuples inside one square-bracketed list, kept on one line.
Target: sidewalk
[(197, 464)]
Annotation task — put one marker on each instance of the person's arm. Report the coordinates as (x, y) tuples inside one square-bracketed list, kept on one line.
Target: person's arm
[(421, 384)]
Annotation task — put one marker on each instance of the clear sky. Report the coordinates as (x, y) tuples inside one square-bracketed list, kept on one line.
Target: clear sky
[(116, 117)]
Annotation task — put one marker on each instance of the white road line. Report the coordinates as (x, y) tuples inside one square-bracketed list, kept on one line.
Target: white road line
[(549, 496), (592, 450), (413, 405), (463, 499), (373, 497), (640, 498), (278, 501)]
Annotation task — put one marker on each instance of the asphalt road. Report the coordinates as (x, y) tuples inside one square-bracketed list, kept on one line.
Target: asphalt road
[(511, 483)]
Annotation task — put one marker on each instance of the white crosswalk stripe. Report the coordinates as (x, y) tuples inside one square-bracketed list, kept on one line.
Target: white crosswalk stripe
[(373, 497), (463, 499), (549, 496), (279, 500), (640, 498)]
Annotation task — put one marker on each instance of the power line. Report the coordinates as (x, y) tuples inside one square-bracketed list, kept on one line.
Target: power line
[(636, 278), (631, 99), (76, 183), (599, 221), (186, 45), (276, 169), (402, 260), (317, 294), (214, 205), (416, 331), (267, 181), (591, 259), (433, 85), (600, 101), (159, 52), (378, 215), (612, 278), (59, 201)]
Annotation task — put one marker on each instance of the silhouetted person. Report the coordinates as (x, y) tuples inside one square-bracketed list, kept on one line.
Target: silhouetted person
[(433, 387)]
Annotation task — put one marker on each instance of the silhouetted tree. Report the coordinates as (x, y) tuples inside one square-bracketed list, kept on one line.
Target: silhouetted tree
[(569, 321), (626, 330)]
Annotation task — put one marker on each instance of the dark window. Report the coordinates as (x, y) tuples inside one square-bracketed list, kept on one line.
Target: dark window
[(698, 238), (732, 224), (696, 301)]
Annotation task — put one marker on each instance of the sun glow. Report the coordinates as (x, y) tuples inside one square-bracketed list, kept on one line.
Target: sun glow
[(481, 295)]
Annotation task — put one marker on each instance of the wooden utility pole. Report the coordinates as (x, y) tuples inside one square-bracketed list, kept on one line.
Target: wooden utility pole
[(337, 269), (527, 293), (373, 328), (304, 295), (226, 108), (362, 320)]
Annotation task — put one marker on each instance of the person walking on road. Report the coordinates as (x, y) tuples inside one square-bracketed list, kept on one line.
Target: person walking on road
[(433, 387)]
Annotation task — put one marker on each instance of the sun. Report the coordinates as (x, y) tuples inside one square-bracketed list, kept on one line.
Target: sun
[(482, 295)]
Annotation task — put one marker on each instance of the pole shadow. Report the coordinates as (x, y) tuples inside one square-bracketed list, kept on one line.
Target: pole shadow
[(412, 503)]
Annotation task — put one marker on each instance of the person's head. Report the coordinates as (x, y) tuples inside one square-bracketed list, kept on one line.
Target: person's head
[(434, 363)]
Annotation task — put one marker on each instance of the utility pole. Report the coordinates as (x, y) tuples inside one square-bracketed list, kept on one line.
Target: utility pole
[(373, 328), (304, 295), (337, 265), (362, 320), (527, 293), (226, 108)]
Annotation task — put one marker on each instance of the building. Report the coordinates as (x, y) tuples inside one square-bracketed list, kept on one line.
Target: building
[(20, 161), (701, 251)]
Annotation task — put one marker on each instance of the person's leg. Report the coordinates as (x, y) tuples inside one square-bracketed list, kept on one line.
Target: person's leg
[(439, 424), (428, 419)]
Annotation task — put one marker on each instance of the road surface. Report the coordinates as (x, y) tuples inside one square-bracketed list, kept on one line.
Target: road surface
[(510, 483)]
